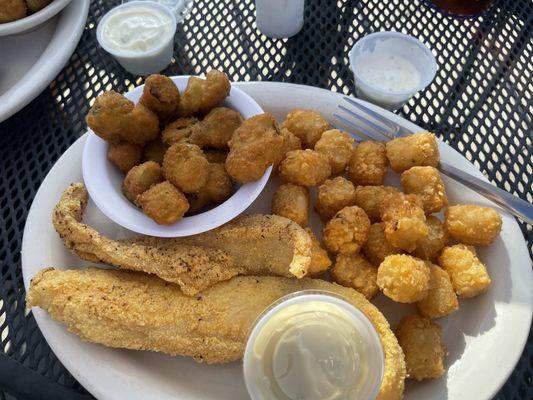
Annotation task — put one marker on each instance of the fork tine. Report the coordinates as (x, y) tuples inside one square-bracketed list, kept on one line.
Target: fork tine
[(358, 132), (388, 123), (374, 126)]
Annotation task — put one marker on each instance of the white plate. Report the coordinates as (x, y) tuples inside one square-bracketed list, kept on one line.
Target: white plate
[(30, 61), (33, 20), (485, 337)]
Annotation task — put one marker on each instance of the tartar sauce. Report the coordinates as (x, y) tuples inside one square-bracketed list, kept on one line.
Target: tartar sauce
[(137, 29)]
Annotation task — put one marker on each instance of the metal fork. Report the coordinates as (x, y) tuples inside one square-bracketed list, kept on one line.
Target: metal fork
[(384, 129)]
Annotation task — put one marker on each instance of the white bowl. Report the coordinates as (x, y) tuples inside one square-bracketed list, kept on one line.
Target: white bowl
[(104, 181), (34, 20)]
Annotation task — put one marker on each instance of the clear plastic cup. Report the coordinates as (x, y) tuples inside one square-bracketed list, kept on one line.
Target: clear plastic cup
[(398, 50)]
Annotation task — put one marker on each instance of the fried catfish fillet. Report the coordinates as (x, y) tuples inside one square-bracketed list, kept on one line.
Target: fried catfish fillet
[(252, 245), (132, 310)]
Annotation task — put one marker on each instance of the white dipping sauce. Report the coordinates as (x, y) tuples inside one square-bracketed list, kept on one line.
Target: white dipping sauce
[(390, 73), (137, 29)]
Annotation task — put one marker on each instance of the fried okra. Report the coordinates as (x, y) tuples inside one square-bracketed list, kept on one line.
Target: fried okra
[(404, 221), (369, 198), (216, 129), (292, 202), (368, 164), (202, 95), (430, 246), (354, 270), (441, 299), (219, 186), (124, 155), (419, 149), (36, 5), (403, 278), (254, 146), (140, 178), (347, 231), (161, 95), (11, 10), (377, 247), (421, 342), (179, 131), (334, 195), (216, 156), (468, 274), (307, 125), (305, 168), (337, 147), (186, 167), (427, 183), (473, 225), (155, 151), (320, 260), (164, 203)]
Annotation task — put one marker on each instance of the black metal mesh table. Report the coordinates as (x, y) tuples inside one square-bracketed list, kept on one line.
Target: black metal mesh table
[(480, 103)]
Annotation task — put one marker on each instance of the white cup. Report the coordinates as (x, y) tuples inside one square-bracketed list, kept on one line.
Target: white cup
[(279, 18)]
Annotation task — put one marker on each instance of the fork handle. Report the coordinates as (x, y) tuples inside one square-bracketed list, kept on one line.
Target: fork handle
[(515, 205)]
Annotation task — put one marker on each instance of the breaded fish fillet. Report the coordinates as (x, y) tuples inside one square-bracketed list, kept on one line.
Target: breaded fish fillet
[(133, 310), (251, 244)]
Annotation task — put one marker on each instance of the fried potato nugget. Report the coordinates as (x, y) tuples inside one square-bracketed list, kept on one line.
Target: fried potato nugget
[(140, 178), (186, 167), (305, 168), (216, 156), (202, 95), (403, 278), (369, 198), (307, 125), (292, 202), (124, 155), (429, 247), (427, 183), (216, 129), (404, 220), (115, 118), (179, 130), (419, 149), (164, 203), (347, 231), (320, 260), (353, 270), (161, 95), (473, 225), (255, 145), (368, 164), (441, 299), (290, 142), (333, 196), (36, 5), (421, 342), (337, 147), (155, 151), (468, 274), (11, 10), (377, 247)]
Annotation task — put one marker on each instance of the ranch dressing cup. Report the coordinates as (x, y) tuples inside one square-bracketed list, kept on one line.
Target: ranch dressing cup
[(313, 345), (390, 67), (279, 18), (140, 35)]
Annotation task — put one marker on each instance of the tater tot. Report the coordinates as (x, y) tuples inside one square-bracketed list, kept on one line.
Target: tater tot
[(403, 278), (347, 231), (124, 155), (290, 142), (421, 342), (441, 299), (377, 246), (186, 167), (369, 198), (429, 247), (155, 151), (320, 260), (219, 186), (353, 270), (216, 129), (140, 178), (337, 147), (161, 95), (419, 149), (292, 202), (334, 195), (179, 131), (468, 274), (404, 221), (11, 10), (216, 156), (305, 168), (164, 203), (473, 225), (368, 164), (202, 95), (307, 125), (427, 183)]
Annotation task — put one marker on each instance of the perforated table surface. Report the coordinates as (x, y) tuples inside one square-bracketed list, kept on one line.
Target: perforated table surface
[(480, 103)]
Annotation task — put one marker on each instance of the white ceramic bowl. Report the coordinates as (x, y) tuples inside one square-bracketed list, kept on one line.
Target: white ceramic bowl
[(34, 20), (104, 181)]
